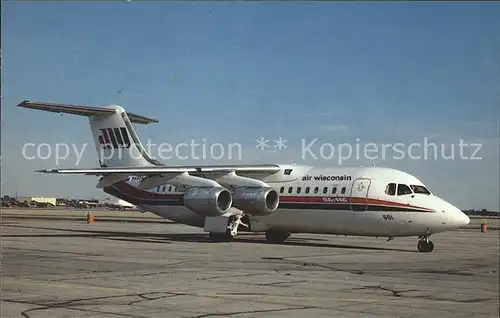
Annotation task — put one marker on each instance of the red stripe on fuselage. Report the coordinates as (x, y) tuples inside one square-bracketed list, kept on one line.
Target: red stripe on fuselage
[(350, 200)]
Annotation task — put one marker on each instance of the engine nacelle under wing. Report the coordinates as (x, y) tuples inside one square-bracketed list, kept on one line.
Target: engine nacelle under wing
[(208, 201), (256, 200)]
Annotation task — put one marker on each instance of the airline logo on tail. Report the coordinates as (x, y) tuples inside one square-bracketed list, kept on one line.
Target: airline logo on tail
[(114, 138)]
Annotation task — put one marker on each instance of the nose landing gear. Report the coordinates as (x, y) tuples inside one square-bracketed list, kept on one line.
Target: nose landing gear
[(424, 244)]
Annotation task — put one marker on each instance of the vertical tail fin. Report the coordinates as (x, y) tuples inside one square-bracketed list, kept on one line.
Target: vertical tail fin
[(116, 141)]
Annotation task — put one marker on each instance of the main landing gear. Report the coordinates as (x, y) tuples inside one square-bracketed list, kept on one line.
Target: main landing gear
[(225, 228), (424, 244), (229, 226)]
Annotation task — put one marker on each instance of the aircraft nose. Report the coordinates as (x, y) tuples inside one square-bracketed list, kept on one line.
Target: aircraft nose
[(456, 218), (465, 219), (460, 218)]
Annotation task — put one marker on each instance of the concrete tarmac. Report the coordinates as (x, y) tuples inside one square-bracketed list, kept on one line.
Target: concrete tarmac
[(59, 268), (136, 216)]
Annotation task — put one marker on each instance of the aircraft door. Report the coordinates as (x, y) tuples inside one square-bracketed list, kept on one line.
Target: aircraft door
[(359, 194)]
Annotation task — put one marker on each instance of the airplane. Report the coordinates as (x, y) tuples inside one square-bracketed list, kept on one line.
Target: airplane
[(277, 199)]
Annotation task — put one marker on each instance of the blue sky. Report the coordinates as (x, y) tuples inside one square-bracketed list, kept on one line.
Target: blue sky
[(232, 72)]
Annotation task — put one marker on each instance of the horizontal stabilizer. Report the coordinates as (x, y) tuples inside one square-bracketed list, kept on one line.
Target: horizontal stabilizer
[(83, 110)]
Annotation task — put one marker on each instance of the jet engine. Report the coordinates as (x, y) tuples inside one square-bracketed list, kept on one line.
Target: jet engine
[(208, 201), (256, 200)]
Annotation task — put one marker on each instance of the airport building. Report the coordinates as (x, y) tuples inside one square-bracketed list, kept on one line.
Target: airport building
[(121, 204), (40, 200)]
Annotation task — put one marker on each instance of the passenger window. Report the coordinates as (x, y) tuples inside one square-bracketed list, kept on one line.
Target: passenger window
[(343, 190), (390, 189), (325, 190), (290, 190), (164, 187), (334, 190), (282, 189), (403, 189), (316, 190), (307, 190), (298, 190)]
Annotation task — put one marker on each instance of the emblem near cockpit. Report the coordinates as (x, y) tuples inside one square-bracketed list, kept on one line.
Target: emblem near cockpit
[(361, 187)]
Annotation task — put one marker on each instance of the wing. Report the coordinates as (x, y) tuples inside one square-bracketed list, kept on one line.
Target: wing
[(146, 171), (159, 175)]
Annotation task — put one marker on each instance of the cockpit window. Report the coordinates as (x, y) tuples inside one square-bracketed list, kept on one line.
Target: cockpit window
[(390, 189), (420, 189), (404, 189)]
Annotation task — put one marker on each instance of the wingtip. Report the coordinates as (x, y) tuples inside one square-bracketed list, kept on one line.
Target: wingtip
[(47, 170), (23, 103)]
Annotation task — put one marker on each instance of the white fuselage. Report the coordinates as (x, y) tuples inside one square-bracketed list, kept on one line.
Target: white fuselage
[(345, 201), (271, 198)]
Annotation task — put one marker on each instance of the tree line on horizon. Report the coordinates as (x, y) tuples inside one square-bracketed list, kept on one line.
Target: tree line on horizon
[(482, 212)]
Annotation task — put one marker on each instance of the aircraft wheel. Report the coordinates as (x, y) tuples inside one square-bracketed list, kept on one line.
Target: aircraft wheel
[(425, 246), (277, 237)]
